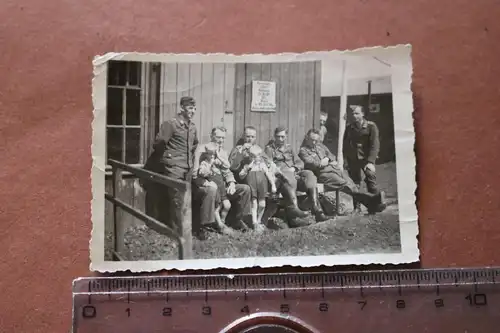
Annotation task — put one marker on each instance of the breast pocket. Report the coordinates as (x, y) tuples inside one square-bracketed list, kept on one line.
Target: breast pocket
[(279, 157)]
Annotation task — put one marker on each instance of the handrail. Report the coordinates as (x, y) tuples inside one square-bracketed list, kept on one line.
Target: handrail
[(148, 175), (183, 239), (150, 222)]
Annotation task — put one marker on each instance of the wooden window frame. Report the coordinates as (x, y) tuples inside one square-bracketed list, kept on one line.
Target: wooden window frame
[(149, 81)]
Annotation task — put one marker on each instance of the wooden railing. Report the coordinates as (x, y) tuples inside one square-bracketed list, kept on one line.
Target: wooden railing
[(182, 238)]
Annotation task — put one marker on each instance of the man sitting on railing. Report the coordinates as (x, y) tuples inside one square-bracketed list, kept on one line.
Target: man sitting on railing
[(205, 197), (292, 168), (172, 156), (318, 158)]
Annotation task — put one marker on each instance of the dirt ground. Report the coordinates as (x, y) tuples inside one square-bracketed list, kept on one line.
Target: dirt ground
[(377, 233)]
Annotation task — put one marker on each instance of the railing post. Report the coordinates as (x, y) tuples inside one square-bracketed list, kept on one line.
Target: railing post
[(119, 242), (186, 250), (337, 202), (115, 209)]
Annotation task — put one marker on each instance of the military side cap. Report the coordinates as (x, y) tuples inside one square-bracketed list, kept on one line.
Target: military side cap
[(187, 100)]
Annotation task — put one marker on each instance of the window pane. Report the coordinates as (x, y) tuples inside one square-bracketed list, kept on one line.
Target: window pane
[(115, 106), (132, 155), (133, 107), (134, 74), (117, 73), (115, 143)]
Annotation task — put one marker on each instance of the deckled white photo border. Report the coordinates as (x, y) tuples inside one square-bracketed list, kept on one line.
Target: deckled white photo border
[(399, 58)]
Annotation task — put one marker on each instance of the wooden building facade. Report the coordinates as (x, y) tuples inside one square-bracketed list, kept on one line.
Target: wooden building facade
[(223, 94)]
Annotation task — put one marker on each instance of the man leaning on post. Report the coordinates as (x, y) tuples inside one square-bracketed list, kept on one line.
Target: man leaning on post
[(172, 156)]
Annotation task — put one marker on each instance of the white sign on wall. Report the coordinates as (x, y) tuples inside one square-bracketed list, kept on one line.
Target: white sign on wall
[(263, 96)]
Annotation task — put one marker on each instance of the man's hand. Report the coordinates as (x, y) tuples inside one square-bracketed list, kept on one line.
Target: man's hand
[(217, 162), (211, 184), (231, 189), (325, 161), (334, 163), (370, 167)]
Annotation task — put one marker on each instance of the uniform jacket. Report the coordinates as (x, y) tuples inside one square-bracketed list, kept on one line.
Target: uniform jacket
[(322, 133), (175, 144), (361, 144), (312, 158), (221, 163), (284, 157)]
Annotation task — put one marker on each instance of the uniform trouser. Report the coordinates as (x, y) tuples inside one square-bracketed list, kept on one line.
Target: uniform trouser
[(165, 203), (356, 172), (304, 181), (335, 180), (206, 198)]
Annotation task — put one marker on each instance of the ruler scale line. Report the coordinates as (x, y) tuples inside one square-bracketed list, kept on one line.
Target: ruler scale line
[(353, 287)]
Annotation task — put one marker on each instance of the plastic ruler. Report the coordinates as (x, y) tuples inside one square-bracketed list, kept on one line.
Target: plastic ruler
[(435, 300)]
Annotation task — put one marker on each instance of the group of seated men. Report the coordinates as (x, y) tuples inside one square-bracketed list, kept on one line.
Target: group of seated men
[(240, 183)]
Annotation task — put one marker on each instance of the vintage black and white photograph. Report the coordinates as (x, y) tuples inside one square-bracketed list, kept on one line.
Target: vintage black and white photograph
[(208, 161)]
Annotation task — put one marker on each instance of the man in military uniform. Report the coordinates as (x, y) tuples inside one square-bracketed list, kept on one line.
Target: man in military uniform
[(172, 156), (323, 117), (293, 171), (360, 149), (323, 163), (205, 197)]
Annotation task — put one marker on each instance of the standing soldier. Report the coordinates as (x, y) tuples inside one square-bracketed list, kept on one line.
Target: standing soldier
[(172, 156), (360, 149), (325, 135), (323, 117)]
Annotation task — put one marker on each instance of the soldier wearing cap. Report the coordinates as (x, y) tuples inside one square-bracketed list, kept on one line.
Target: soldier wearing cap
[(318, 158), (172, 156), (293, 171), (361, 147)]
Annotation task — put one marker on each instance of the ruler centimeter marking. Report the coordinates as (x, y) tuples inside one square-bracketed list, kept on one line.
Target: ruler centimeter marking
[(208, 283), (97, 302)]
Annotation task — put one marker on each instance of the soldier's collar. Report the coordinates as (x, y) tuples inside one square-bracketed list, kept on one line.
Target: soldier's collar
[(364, 124), (183, 121), (281, 148)]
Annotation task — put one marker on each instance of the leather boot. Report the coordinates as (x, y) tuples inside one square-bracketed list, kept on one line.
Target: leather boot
[(293, 209), (295, 222), (356, 207), (379, 204), (319, 215), (316, 207)]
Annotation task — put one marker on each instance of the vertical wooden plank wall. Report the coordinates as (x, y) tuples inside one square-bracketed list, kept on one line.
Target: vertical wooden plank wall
[(229, 104), (298, 99), (240, 100), (212, 86)]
